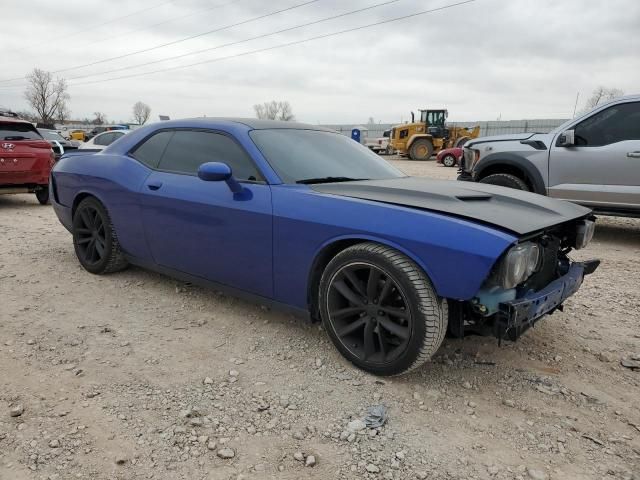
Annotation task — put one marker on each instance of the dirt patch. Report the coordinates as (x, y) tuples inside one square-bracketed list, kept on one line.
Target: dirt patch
[(135, 375)]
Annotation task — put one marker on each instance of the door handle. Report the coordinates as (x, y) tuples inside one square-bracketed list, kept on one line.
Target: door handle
[(154, 185), (633, 154)]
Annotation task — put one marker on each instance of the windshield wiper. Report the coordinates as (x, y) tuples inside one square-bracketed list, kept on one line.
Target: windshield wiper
[(309, 181)]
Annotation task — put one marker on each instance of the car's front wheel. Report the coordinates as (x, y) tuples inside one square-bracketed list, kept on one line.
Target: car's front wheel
[(95, 240), (506, 180), (449, 160), (380, 309)]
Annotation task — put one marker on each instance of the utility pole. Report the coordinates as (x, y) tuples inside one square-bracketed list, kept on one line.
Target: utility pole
[(575, 107)]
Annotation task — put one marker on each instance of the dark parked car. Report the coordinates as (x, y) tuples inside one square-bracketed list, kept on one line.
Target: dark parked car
[(307, 219), (59, 144)]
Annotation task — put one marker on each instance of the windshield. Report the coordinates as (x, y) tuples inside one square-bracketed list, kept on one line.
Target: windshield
[(18, 131), (52, 135), (299, 155)]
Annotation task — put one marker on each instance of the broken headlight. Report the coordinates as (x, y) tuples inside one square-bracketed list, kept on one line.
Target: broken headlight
[(584, 233), (518, 264)]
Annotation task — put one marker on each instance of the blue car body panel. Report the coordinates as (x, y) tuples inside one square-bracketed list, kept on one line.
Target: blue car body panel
[(305, 222), (265, 240)]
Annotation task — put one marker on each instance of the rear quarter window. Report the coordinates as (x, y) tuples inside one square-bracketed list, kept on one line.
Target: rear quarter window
[(151, 150)]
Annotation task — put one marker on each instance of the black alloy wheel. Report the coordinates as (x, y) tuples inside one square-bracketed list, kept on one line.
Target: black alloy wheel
[(90, 235), (380, 309), (369, 312), (95, 240)]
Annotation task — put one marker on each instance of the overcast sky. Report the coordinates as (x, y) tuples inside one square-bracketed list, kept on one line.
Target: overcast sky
[(487, 59)]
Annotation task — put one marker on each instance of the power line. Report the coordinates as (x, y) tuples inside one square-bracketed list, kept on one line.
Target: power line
[(196, 52), (171, 20), (93, 27), (226, 27), (282, 45)]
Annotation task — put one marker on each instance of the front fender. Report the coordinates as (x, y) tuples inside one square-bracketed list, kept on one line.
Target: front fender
[(456, 254), (512, 160)]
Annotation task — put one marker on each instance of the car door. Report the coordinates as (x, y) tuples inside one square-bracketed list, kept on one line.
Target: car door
[(201, 227), (602, 169)]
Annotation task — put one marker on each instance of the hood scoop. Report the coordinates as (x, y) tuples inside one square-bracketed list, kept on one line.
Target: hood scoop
[(474, 198)]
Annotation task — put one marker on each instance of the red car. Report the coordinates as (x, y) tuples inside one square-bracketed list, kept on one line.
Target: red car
[(449, 157), (26, 158)]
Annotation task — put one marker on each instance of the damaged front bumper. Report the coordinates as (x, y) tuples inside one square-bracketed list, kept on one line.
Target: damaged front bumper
[(516, 316)]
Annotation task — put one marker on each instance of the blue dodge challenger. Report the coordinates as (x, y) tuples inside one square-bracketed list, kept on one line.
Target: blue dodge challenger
[(304, 218)]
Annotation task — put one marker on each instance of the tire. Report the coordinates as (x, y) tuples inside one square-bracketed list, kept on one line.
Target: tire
[(95, 240), (421, 149), (449, 160), (404, 329), (461, 141), (506, 180), (43, 195)]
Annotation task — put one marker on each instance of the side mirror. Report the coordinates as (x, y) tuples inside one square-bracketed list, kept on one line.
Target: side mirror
[(214, 172), (566, 139), (219, 172)]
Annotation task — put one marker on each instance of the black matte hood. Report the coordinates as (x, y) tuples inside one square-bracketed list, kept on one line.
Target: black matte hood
[(514, 210)]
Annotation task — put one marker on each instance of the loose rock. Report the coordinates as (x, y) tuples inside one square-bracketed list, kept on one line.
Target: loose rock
[(536, 474), (226, 453), (16, 411)]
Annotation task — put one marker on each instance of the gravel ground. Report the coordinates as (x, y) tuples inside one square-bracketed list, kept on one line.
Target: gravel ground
[(135, 376)]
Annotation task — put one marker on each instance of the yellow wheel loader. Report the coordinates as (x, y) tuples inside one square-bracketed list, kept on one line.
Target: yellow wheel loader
[(420, 140)]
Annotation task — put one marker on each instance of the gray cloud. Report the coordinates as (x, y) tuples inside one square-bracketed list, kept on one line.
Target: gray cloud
[(514, 58)]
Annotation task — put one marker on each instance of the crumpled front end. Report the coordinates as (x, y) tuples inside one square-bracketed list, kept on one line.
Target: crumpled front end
[(532, 279)]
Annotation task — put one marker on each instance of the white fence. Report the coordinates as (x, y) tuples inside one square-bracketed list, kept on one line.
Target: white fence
[(496, 127)]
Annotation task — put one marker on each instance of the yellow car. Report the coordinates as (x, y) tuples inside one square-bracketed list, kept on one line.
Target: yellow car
[(79, 135)]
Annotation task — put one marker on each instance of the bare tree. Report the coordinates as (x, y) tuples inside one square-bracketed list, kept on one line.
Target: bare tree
[(100, 118), (601, 95), (371, 121), (45, 94), (141, 113), (274, 110), (63, 113)]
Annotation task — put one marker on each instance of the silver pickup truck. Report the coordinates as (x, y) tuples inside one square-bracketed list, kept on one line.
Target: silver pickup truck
[(593, 160)]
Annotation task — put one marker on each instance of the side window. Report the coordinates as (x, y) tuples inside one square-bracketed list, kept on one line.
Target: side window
[(152, 149), (614, 124), (187, 150), (404, 133), (105, 139)]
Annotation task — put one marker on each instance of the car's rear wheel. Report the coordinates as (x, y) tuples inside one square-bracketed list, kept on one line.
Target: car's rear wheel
[(42, 194), (421, 149), (95, 240), (380, 309), (449, 160), (506, 180)]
